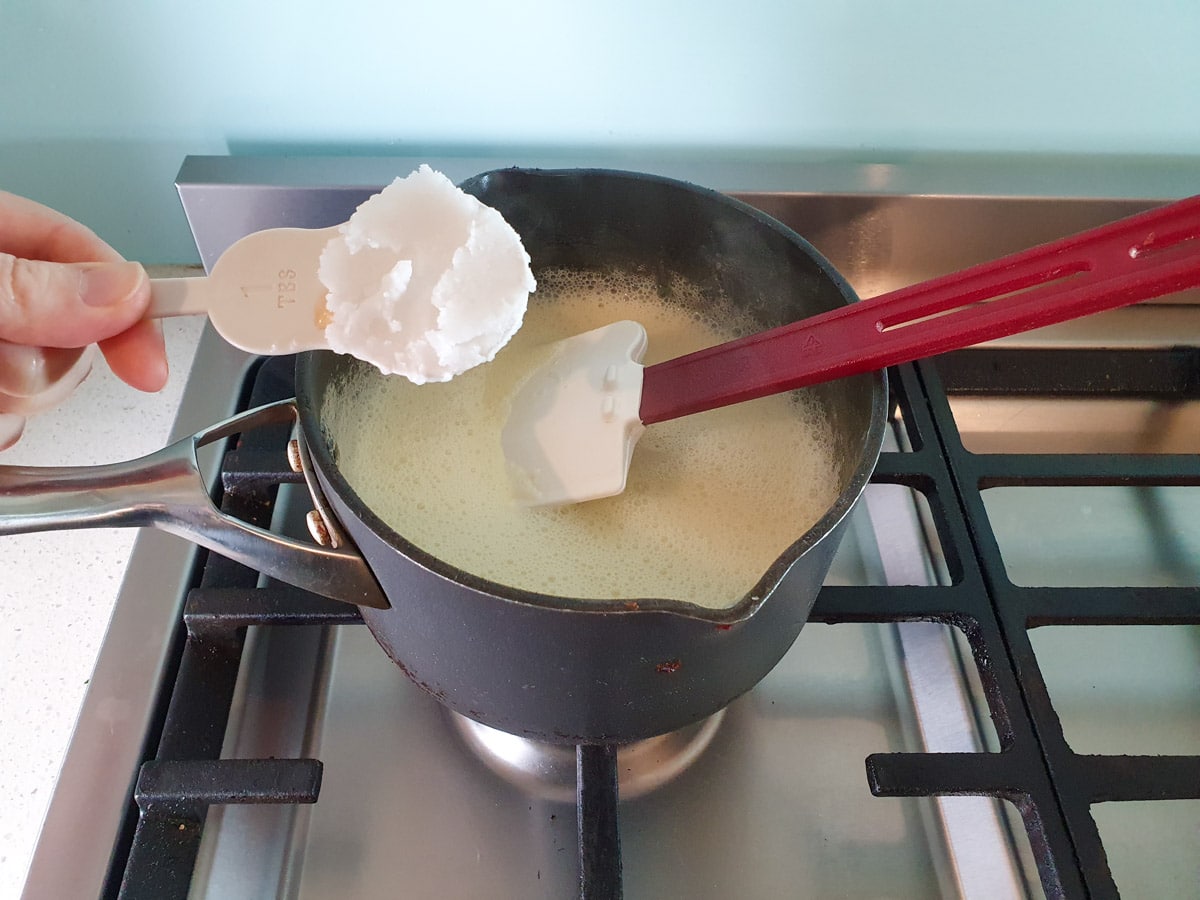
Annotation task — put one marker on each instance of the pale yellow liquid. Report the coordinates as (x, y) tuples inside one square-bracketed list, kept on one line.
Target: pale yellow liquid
[(712, 499)]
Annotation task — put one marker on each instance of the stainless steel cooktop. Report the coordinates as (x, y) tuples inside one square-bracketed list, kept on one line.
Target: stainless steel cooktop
[(777, 802)]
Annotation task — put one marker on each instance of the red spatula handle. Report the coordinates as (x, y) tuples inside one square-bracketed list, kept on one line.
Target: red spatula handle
[(1144, 256)]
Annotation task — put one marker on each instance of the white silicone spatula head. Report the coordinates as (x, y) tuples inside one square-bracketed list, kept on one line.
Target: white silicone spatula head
[(263, 295), (574, 420)]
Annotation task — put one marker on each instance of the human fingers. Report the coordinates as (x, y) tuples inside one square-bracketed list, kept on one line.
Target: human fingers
[(51, 304), (33, 231), (138, 355)]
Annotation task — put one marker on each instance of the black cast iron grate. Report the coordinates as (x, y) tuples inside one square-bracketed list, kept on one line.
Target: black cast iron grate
[(1052, 787), (1049, 784)]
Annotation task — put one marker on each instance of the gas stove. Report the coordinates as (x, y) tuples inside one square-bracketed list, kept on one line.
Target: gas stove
[(994, 696)]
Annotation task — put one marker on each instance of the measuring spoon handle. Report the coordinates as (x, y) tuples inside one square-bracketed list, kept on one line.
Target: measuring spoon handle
[(184, 296)]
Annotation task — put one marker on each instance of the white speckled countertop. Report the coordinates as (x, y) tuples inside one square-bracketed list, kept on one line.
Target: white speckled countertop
[(57, 591)]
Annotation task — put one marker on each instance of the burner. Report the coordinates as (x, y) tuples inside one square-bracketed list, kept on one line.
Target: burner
[(549, 770)]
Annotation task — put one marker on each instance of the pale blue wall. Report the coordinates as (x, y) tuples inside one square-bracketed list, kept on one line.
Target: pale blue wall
[(99, 101)]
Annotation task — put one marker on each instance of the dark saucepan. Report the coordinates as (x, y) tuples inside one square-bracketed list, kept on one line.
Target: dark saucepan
[(568, 670)]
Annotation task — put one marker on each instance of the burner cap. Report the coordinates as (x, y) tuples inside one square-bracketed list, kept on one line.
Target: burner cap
[(548, 770)]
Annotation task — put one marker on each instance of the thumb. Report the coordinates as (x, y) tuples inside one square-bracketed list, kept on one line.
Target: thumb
[(46, 304)]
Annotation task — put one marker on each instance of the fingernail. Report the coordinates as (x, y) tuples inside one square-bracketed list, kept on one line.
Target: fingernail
[(109, 284)]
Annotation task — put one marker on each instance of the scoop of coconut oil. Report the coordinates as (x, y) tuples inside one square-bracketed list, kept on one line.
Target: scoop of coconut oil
[(424, 280)]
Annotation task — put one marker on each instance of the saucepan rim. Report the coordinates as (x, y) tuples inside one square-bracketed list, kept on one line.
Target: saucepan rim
[(319, 445)]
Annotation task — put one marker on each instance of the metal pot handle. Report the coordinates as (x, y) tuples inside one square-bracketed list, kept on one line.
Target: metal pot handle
[(165, 490)]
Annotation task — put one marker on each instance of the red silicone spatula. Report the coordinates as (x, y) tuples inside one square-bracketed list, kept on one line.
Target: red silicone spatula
[(574, 422)]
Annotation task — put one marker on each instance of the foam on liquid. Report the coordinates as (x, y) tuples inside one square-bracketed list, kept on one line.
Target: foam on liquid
[(712, 499)]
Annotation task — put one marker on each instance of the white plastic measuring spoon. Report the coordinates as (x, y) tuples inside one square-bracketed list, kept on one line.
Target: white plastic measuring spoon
[(263, 295)]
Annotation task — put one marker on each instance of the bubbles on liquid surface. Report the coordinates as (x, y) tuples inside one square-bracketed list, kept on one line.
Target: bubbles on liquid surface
[(712, 499)]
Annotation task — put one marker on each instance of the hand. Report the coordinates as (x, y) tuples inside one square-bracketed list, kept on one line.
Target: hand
[(63, 290)]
